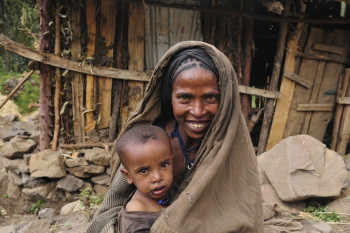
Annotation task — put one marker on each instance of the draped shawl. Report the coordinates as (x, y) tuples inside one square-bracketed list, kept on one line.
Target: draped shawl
[(221, 192)]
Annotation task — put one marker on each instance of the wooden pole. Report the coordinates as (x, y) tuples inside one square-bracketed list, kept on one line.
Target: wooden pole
[(45, 110), (90, 79), (78, 81), (17, 87), (343, 83), (57, 94), (248, 37), (270, 103)]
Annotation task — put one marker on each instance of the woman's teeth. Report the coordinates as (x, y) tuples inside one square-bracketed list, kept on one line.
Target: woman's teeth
[(196, 125)]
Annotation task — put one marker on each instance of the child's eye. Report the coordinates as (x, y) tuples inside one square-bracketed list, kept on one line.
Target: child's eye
[(165, 165), (143, 171)]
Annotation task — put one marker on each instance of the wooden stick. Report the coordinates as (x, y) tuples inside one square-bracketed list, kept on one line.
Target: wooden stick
[(86, 145), (270, 103), (343, 83), (57, 94), (52, 60), (17, 87)]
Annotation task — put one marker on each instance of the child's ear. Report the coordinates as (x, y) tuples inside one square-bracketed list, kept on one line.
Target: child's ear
[(126, 175)]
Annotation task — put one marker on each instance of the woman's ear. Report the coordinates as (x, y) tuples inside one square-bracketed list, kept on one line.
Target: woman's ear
[(126, 175)]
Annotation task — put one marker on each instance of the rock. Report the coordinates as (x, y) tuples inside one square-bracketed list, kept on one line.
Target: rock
[(41, 225), (31, 127), (97, 156), (76, 162), (56, 195), (268, 210), (323, 227), (85, 186), (70, 196), (70, 183), (30, 182), (300, 167), (13, 191), (108, 171), (8, 229), (40, 191), (26, 158), (269, 195), (347, 161), (68, 208), (86, 171), (17, 147), (262, 176), (14, 178), (102, 179), (341, 205), (16, 165), (100, 189), (47, 213), (47, 163)]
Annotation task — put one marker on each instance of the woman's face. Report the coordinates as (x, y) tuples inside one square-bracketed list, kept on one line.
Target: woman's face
[(195, 100)]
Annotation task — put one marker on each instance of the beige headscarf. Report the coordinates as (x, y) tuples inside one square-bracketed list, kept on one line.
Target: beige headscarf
[(221, 192)]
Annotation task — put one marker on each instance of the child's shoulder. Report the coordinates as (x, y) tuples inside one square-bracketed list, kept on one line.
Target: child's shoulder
[(136, 204)]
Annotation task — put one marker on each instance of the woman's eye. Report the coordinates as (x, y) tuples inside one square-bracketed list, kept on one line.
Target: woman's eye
[(184, 97), (211, 98)]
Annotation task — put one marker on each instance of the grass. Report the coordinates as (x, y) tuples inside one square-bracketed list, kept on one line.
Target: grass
[(35, 208), (29, 94), (90, 201), (320, 211)]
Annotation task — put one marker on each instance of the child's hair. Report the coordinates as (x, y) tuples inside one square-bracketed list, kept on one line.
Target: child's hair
[(139, 134)]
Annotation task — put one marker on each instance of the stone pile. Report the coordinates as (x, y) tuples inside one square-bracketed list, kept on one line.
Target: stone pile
[(53, 176)]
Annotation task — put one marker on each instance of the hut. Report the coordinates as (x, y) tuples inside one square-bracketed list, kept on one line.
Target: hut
[(96, 57)]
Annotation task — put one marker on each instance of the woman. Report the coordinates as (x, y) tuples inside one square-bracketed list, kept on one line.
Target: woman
[(193, 94)]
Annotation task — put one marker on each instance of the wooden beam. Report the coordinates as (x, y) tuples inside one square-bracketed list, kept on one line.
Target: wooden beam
[(221, 11), (296, 78), (82, 67), (343, 100), (259, 92), (86, 145), (328, 48), (321, 58), (315, 107)]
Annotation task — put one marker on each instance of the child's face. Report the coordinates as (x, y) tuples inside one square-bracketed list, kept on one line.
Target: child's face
[(149, 167)]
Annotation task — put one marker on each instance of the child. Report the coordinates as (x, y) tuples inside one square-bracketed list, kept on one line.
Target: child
[(145, 153)]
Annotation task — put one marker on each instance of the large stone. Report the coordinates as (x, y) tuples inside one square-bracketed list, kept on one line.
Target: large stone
[(86, 171), (56, 195), (341, 205), (13, 191), (40, 225), (68, 208), (30, 182), (17, 147), (102, 179), (8, 229), (14, 178), (100, 189), (268, 210), (323, 227), (47, 163), (70, 183), (300, 167), (76, 162), (269, 195), (16, 165), (46, 213), (97, 156), (40, 191)]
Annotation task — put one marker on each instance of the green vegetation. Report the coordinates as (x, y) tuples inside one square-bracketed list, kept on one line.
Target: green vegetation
[(35, 208), (29, 94), (320, 211), (89, 201), (6, 196)]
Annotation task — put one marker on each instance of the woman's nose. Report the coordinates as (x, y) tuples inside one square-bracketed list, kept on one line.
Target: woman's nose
[(197, 109)]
